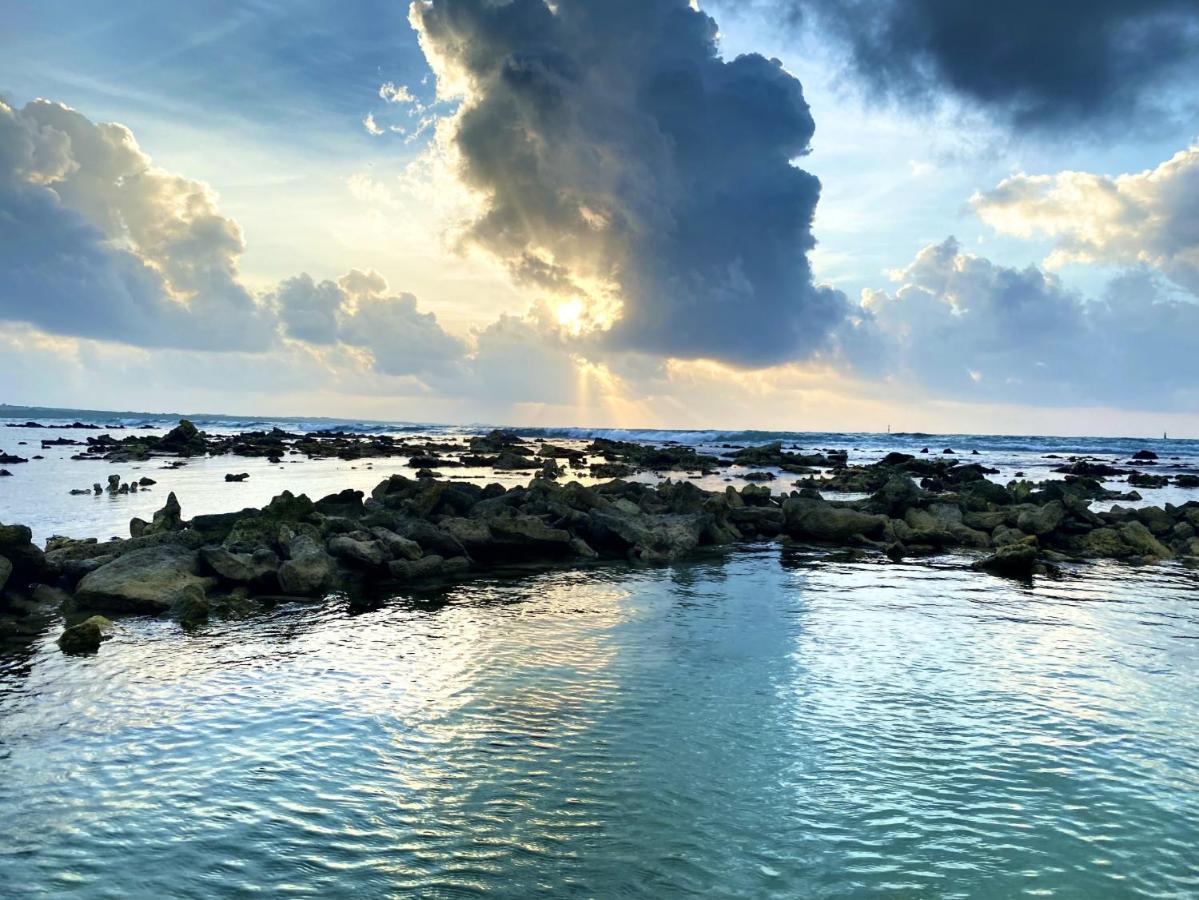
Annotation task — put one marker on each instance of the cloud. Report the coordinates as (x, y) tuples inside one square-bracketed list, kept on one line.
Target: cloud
[(372, 127), (1147, 218), (95, 241), (397, 93), (1036, 64), (626, 165), (356, 311), (962, 326)]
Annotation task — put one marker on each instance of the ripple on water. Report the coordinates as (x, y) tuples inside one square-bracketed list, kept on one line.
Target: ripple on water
[(756, 726)]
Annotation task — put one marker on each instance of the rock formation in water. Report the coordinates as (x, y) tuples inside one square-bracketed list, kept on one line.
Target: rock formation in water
[(413, 530)]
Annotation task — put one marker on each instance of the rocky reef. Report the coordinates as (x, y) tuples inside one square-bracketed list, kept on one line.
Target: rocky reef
[(423, 529)]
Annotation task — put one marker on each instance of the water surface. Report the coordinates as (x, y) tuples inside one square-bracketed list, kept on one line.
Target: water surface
[(756, 725)]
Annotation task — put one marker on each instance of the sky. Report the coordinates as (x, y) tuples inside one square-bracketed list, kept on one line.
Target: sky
[(782, 214)]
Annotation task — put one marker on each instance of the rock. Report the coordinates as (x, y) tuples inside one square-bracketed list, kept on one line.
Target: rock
[(530, 534), (13, 536), (397, 547), (1041, 520), (184, 440), (84, 637), (821, 521), (1187, 481), (190, 606), (1142, 542), (896, 551), (169, 518), (1144, 455), (143, 581), (364, 553), (1012, 561), (237, 478), (1143, 480), (1003, 536), (414, 570), (309, 571), (259, 569), (897, 496), (5, 571)]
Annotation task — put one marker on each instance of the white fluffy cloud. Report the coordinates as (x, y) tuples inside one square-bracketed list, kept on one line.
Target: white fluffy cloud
[(96, 241), (962, 326), (1147, 218), (357, 311)]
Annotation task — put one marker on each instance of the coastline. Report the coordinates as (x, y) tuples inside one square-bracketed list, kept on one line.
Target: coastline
[(428, 528)]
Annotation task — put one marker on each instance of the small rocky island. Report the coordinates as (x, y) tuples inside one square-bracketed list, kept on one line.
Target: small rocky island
[(426, 529)]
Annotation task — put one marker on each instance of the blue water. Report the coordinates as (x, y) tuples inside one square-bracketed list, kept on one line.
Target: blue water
[(764, 724)]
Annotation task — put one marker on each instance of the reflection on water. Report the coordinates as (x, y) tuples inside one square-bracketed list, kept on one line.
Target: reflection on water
[(757, 726)]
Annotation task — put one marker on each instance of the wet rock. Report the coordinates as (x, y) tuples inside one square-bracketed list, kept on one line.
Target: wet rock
[(1016, 560), (1142, 542), (169, 518), (897, 496), (1144, 455), (183, 440), (1143, 480), (259, 569), (398, 547), (309, 569), (143, 581), (531, 535), (237, 478), (190, 606), (414, 570), (84, 637), (369, 553), (1041, 520), (821, 521)]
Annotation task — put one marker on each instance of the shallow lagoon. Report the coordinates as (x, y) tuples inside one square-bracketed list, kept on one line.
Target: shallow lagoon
[(757, 724)]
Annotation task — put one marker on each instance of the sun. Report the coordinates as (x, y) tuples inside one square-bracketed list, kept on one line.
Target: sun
[(571, 315)]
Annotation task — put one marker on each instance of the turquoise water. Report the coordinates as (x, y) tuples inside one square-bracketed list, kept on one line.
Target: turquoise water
[(758, 725)]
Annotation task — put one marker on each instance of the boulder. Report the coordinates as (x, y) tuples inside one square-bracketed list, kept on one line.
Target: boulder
[(1016, 560), (169, 518), (84, 637), (1142, 542), (397, 547), (260, 568), (143, 581), (5, 571), (190, 606), (897, 496), (370, 553), (531, 534), (309, 569), (1041, 520), (414, 570), (820, 521)]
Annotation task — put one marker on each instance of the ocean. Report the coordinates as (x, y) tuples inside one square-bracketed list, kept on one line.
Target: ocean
[(768, 721)]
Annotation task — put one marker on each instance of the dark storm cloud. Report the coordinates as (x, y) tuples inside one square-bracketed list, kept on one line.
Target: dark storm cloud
[(623, 159), (1037, 63)]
